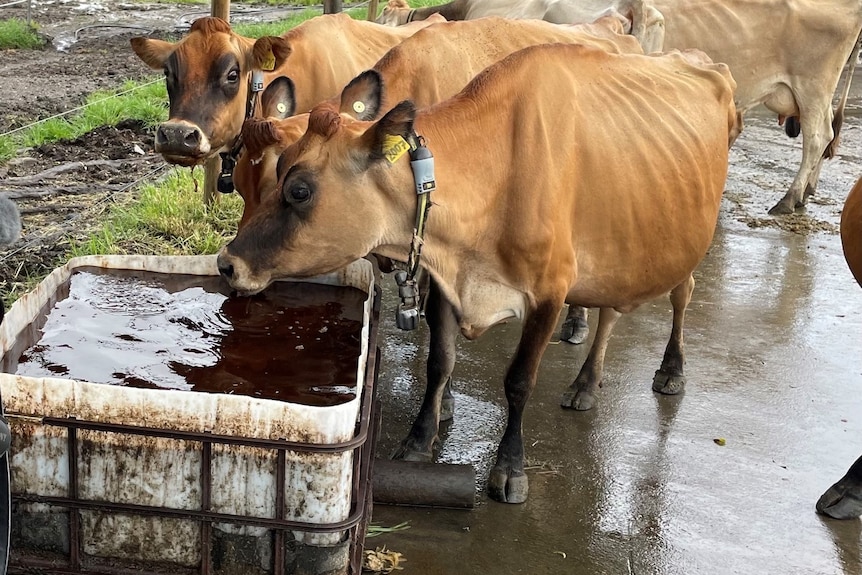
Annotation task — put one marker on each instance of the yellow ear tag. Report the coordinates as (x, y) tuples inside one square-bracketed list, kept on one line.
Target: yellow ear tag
[(268, 62), (394, 147), (281, 107), (358, 106)]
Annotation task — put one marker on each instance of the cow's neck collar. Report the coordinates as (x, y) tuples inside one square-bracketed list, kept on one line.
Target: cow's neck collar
[(410, 16), (422, 166), (229, 158)]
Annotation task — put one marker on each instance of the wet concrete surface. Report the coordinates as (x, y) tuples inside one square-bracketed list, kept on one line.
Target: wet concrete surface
[(639, 485)]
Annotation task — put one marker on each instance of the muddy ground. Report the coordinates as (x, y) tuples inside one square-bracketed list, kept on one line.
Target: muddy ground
[(63, 188)]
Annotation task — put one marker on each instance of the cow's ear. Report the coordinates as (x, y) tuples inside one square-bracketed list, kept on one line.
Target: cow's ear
[(278, 99), (153, 52), (269, 53), (388, 137), (362, 97)]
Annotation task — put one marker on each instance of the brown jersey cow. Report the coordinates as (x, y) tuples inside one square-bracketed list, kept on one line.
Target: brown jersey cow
[(844, 499), (208, 74), (430, 66), (545, 194)]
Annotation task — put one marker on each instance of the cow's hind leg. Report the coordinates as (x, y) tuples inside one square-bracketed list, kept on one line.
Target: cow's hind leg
[(438, 403), (669, 379), (844, 499), (575, 328), (816, 134), (581, 395), (508, 482)]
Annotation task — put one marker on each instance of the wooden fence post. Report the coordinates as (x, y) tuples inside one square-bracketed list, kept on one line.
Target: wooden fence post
[(220, 9), (331, 6), (372, 10)]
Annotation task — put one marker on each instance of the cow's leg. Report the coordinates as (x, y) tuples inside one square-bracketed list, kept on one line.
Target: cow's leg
[(581, 395), (669, 379), (438, 403), (816, 134), (844, 499), (811, 186), (575, 328), (508, 482)]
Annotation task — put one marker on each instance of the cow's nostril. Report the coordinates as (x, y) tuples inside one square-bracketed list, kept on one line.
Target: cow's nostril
[(161, 136), (226, 270), (192, 139)]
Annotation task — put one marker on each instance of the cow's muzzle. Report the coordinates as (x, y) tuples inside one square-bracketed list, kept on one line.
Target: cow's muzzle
[(182, 143), (239, 276)]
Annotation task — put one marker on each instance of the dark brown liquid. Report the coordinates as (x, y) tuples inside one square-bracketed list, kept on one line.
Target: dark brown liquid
[(296, 342)]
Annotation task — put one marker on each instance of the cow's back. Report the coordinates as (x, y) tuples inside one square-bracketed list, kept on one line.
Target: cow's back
[(437, 62), (625, 154), (851, 230), (328, 51)]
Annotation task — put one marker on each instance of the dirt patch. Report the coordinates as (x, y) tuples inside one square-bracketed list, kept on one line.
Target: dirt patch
[(63, 188)]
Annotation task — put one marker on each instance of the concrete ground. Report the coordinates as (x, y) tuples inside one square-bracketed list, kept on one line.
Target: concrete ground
[(639, 485)]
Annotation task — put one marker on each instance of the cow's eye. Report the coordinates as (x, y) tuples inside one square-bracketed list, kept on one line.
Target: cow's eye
[(297, 192), (233, 76)]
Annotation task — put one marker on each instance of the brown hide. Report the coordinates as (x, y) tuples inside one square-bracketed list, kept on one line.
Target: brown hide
[(851, 230), (430, 66), (320, 56), (548, 188)]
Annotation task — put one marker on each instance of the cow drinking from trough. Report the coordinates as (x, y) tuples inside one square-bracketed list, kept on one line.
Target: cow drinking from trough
[(209, 73), (844, 499), (544, 195), (430, 66)]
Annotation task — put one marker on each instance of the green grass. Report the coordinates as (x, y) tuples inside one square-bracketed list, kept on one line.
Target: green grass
[(15, 33), (166, 218), (138, 100), (277, 28)]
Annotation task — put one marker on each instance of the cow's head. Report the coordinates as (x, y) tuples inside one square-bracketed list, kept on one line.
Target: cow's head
[(337, 198), (207, 75), (395, 13), (265, 138)]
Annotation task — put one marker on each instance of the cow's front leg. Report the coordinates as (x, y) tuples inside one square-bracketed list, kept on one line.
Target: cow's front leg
[(844, 499), (669, 379), (438, 402), (581, 395), (508, 482), (816, 134)]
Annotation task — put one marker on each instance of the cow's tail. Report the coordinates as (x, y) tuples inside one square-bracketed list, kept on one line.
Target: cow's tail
[(838, 118)]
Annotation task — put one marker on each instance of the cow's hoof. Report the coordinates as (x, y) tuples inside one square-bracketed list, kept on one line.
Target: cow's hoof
[(507, 486), (841, 502), (575, 330), (406, 452), (782, 208), (447, 408), (667, 383), (578, 400)]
